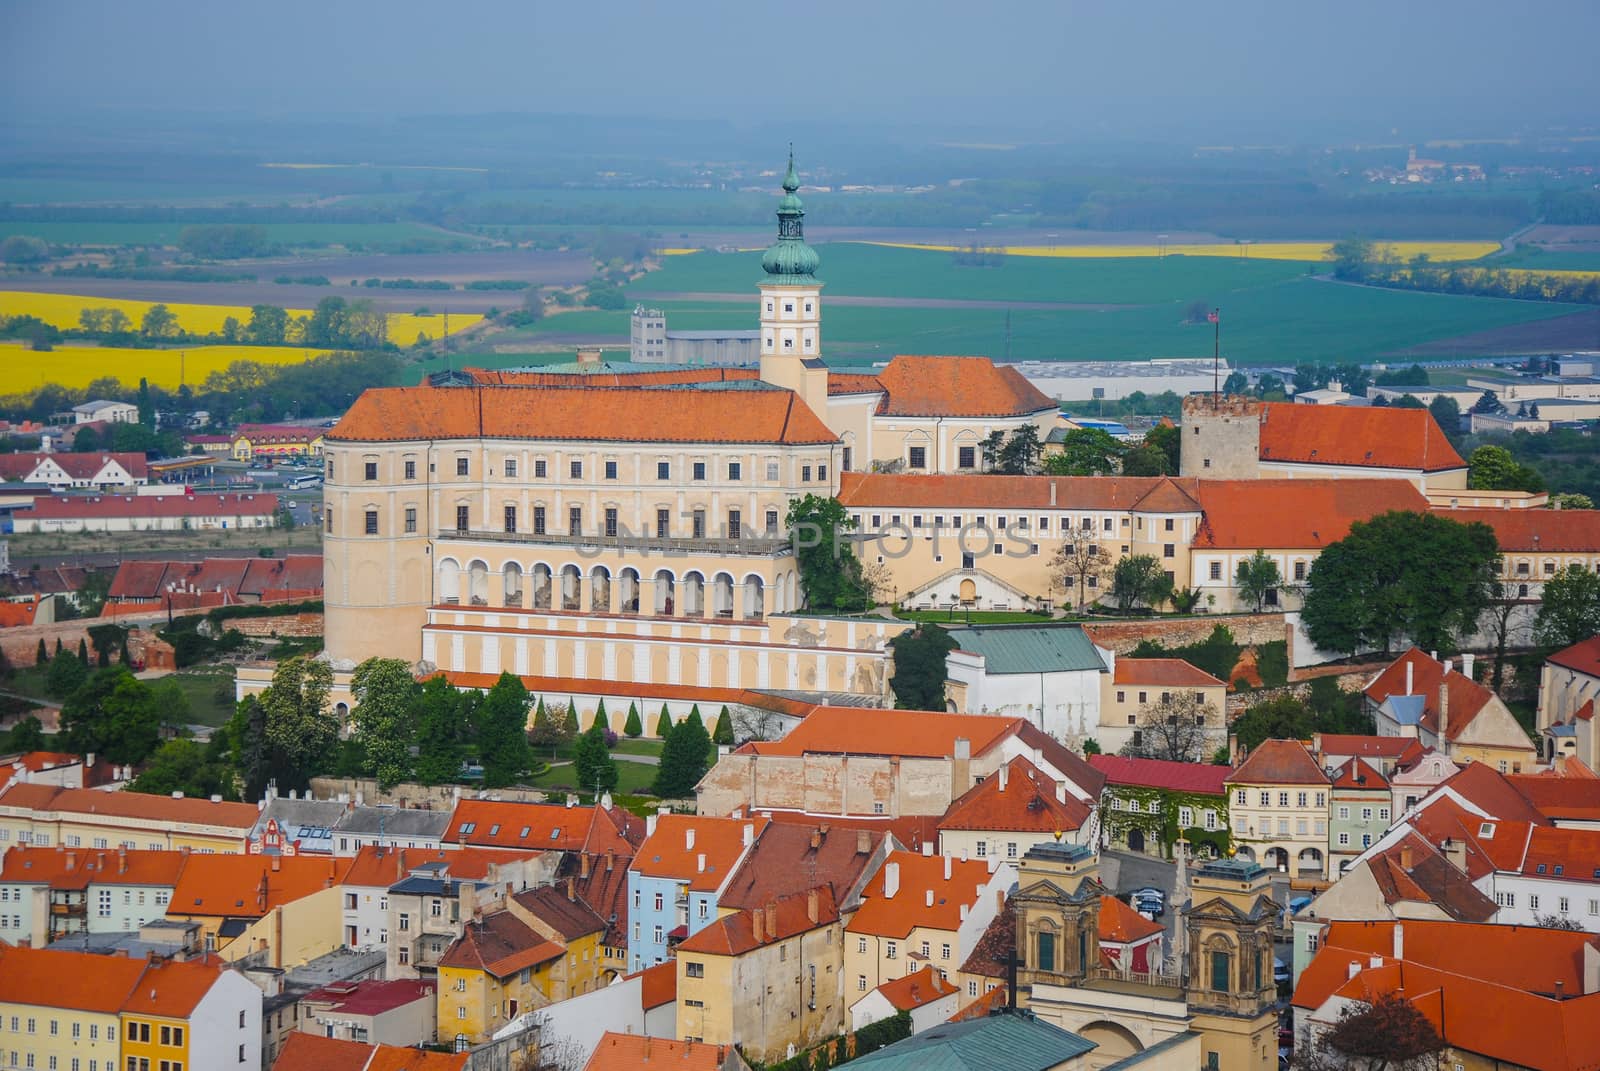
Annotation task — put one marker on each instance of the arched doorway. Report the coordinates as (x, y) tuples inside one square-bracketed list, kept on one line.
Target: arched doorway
[(449, 581), (665, 599), (1136, 840), (722, 595), (969, 591), (754, 598), (1277, 859), (541, 587), (571, 585), (694, 595), (628, 591), (511, 574), (1310, 861), (478, 583), (600, 590)]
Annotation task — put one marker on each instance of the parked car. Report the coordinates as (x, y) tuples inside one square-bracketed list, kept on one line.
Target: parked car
[(1280, 971)]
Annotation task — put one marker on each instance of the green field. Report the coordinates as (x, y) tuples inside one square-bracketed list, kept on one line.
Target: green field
[(1537, 259), (879, 271), (369, 235)]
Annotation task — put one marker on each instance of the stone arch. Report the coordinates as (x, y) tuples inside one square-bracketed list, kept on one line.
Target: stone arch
[(511, 586), (755, 597), (449, 581), (541, 583), (722, 600), (665, 600), (1245, 852), (628, 591), (694, 594), (571, 587), (1276, 859), (600, 590), (478, 582), (1112, 1040), (1310, 858)]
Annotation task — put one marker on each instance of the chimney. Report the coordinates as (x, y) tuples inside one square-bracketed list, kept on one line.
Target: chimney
[(963, 912), (928, 898), (700, 863), (1444, 712), (772, 920), (891, 880), (1466, 665), (758, 925), (1399, 942), (649, 825), (1004, 770), (947, 868), (1407, 860), (1355, 968), (863, 842), (277, 863), (816, 840), (589, 356), (1052, 492), (610, 861), (1410, 687), (1456, 852), (749, 834), (1061, 792), (813, 909), (1561, 990), (467, 898), (572, 890), (88, 761), (688, 839), (583, 865), (927, 849)]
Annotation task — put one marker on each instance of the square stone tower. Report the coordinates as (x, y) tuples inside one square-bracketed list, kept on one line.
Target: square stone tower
[(1221, 437), (1228, 963)]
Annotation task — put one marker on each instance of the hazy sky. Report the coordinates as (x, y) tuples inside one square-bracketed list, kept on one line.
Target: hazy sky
[(1124, 66)]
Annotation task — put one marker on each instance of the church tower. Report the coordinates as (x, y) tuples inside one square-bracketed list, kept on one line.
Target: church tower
[(1228, 971), (1057, 904), (791, 306)]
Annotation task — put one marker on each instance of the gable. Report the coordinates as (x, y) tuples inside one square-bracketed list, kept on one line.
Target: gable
[(1493, 726)]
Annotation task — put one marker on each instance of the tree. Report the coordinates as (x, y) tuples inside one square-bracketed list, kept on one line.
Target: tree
[(546, 730), (595, 767), (1078, 560), (66, 675), (1091, 746), (301, 727), (1447, 414), (503, 732), (1085, 452), (1570, 610), (1144, 461), (663, 724), (27, 735), (1570, 500), (633, 728), (753, 723), (1169, 440), (1020, 454), (1281, 718), (386, 702), (1389, 1034), (684, 758), (919, 667), (441, 730), (118, 716), (601, 716), (83, 651), (723, 731), (1419, 576), (569, 724), (1408, 401), (830, 573), (1176, 727), (188, 767), (23, 249), (1557, 922), (1494, 468), (158, 322), (1487, 403), (1352, 258), (42, 655), (1257, 577), (268, 326), (1138, 579)]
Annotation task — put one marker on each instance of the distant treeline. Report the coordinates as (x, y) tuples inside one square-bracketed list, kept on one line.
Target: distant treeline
[(1570, 207), (1359, 261)]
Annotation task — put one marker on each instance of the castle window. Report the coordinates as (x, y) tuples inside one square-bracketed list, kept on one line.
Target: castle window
[(788, 343), (463, 518), (1047, 952), (540, 469), (822, 472), (611, 520), (611, 470), (808, 306), (411, 470), (461, 466), (372, 522), (788, 306), (967, 457), (663, 523), (575, 520), (844, 459), (538, 520), (411, 518), (1221, 964), (699, 470), (1169, 524), (1216, 570), (663, 470), (735, 470), (511, 519), (576, 469), (772, 522), (511, 467), (371, 470), (918, 457)]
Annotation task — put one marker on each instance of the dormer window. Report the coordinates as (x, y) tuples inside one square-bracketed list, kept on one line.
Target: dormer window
[(1486, 830)]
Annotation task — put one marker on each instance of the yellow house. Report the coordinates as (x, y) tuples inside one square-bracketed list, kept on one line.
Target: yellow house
[(499, 968), (1136, 684), (191, 1016), (1279, 809), (556, 914), (765, 978), (247, 904), (46, 815), (253, 441)]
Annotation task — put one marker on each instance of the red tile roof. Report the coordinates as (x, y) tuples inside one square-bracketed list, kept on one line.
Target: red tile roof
[(617, 376), (605, 890), (1122, 925), (277, 433), (911, 991), (1368, 436), (80, 466), (999, 939), (1494, 793), (910, 830), (898, 915), (52, 978), (853, 383), (983, 1007), (565, 686), (790, 857), (630, 1052), (1163, 673), (371, 996), (77, 868), (15, 614), (313, 1052), (1161, 773), (1414, 870), (542, 827), (1295, 514), (1583, 656), (133, 805), (957, 386), (1356, 775), (1151, 494), (858, 731), (249, 886), (399, 414), (1467, 698), (1278, 762), (173, 989), (1559, 852), (785, 917), (680, 840), (87, 507), (658, 985), (1367, 747), (1027, 803), (558, 907), (380, 867), (1543, 531), (500, 944), (1560, 798)]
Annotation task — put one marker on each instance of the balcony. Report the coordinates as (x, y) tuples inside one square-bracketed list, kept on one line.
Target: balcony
[(763, 546)]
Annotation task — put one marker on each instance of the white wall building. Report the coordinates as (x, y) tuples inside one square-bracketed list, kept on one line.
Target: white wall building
[(1048, 675)]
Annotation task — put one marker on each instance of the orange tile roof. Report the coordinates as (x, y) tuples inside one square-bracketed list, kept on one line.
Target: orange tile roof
[(1368, 436), (911, 991), (17, 614), (565, 686), (77, 868), (133, 805), (313, 1052), (1560, 852), (983, 1007), (786, 917), (1369, 747), (859, 731), (381, 867), (1356, 775), (1122, 925), (1414, 870), (1149, 494), (910, 830), (957, 386), (83, 981), (898, 915), (1467, 698), (1560, 798), (1583, 656), (605, 890), (998, 941), (853, 383), (1278, 762), (616, 376), (395, 1058), (658, 985), (1027, 803), (1543, 531), (669, 853), (403, 414), (500, 944), (790, 857), (543, 827), (1295, 514), (249, 886), (1489, 844), (629, 1052), (171, 989), (1163, 673)]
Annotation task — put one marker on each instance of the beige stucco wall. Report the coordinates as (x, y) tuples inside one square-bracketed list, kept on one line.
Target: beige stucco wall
[(1258, 827)]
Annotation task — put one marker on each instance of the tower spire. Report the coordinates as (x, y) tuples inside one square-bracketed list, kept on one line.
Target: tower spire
[(790, 259)]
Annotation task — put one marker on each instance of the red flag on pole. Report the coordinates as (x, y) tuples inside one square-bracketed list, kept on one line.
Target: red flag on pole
[(1212, 317)]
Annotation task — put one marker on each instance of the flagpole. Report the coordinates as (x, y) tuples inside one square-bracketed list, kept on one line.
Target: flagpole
[(1216, 353)]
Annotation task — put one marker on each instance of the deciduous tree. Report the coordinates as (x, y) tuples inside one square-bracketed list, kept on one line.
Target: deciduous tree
[(1078, 560), (1570, 609), (830, 573), (503, 732), (1139, 580), (1389, 1034), (442, 730), (919, 667), (301, 726), (386, 702), (1257, 577), (1493, 468), (1085, 452), (1178, 727)]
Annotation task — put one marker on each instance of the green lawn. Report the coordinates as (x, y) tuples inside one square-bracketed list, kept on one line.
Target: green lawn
[(370, 235), (878, 271), (631, 777), (200, 685)]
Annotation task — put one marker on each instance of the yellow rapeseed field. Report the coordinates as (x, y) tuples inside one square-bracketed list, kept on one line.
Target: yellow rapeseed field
[(76, 365), (1436, 251), (61, 310)]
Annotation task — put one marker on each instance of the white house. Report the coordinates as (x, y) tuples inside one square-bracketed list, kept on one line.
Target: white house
[(1049, 675), (929, 998), (108, 411)]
